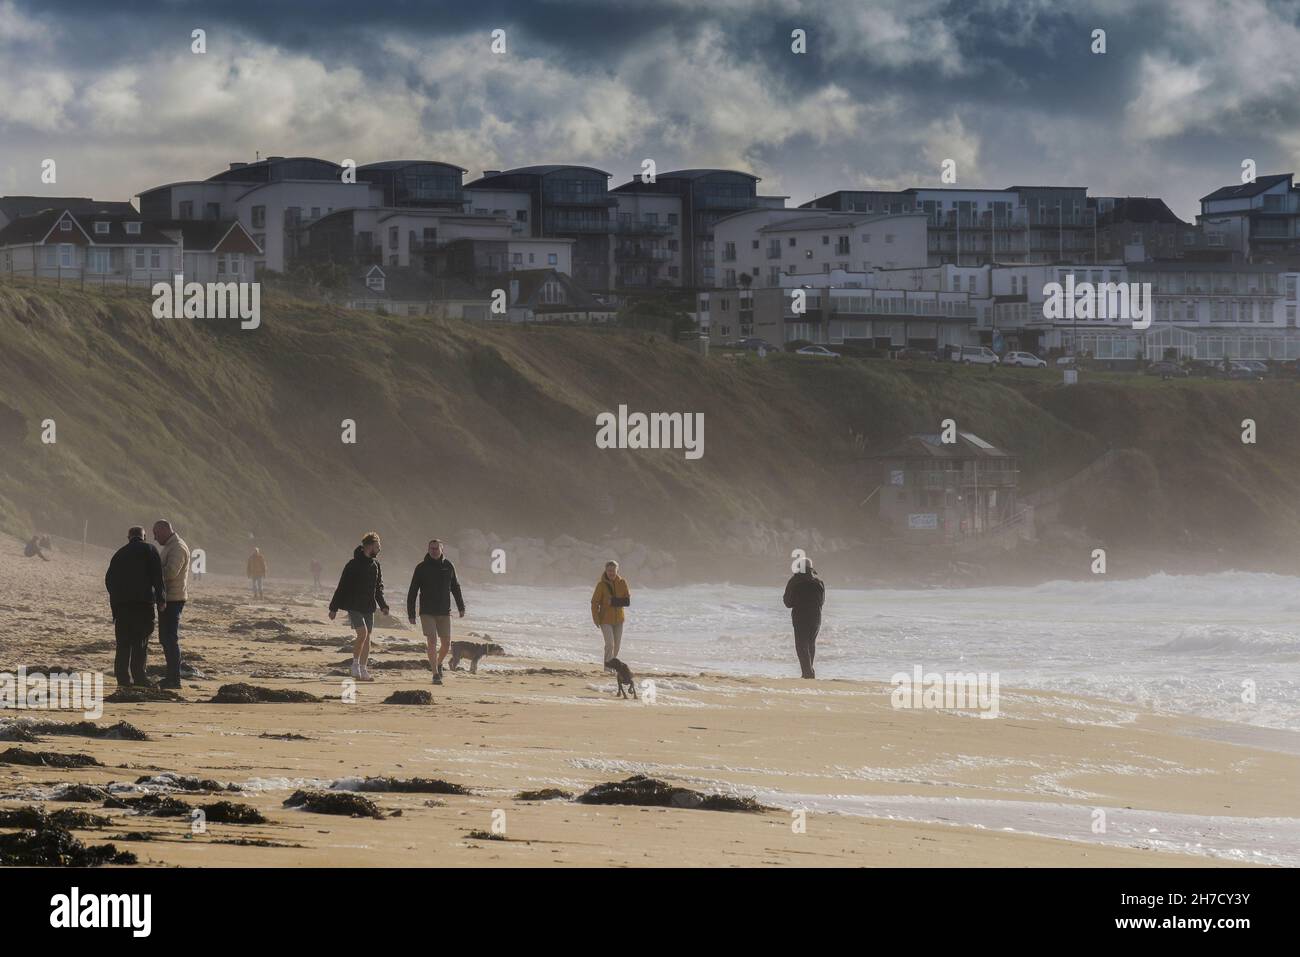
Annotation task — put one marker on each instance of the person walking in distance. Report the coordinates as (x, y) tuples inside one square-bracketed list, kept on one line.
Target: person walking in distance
[(360, 591), (805, 594), (175, 557), (135, 588), (257, 571), (434, 583), (607, 603), (315, 573)]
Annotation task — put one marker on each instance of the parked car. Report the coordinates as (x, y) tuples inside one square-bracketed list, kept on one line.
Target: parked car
[(1167, 369), (755, 344), (819, 351), (1256, 365), (1239, 369), (1026, 359), (977, 355), (1068, 362)]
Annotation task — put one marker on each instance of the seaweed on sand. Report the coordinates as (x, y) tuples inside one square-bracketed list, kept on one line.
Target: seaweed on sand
[(47, 759), (333, 802), (241, 693), (644, 791)]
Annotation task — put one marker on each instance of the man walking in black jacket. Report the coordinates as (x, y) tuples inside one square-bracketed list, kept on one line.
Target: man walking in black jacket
[(804, 596), (434, 583), (135, 588), (359, 593)]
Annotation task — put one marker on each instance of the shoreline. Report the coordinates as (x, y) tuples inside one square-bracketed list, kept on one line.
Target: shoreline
[(878, 786)]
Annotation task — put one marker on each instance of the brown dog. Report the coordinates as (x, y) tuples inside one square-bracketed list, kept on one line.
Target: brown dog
[(472, 651), (624, 675)]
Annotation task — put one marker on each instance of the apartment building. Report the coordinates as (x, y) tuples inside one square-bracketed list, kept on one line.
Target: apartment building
[(274, 199), (972, 226), (556, 201), (760, 247), (1141, 228), (1260, 220), (648, 248), (705, 197)]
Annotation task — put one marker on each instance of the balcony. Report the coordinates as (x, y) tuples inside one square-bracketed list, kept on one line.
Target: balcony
[(564, 197), (642, 229), (562, 226), (642, 254)]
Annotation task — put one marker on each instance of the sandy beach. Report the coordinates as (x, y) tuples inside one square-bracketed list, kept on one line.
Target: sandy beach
[(877, 786)]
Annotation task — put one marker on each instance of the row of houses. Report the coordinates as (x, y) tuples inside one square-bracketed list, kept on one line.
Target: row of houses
[(940, 265)]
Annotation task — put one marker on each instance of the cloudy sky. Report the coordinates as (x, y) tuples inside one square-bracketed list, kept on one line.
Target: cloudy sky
[(887, 90)]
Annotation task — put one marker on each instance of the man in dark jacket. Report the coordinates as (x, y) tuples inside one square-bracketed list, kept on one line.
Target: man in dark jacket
[(804, 595), (434, 583), (359, 593), (135, 588)]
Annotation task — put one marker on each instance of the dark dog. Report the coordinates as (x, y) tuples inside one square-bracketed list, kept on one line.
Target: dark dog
[(624, 675), (472, 651)]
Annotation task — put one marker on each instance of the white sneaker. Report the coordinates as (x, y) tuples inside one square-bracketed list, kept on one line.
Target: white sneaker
[(365, 674), (356, 668)]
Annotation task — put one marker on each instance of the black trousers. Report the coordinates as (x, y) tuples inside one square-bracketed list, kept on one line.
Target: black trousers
[(806, 626), (169, 636), (132, 626)]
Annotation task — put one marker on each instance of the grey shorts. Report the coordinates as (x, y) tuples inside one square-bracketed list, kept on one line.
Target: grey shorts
[(359, 618)]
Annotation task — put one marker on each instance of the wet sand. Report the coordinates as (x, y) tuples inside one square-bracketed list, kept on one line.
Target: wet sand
[(987, 790)]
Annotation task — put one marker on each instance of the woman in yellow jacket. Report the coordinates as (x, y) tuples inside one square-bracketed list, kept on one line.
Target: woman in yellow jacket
[(607, 603)]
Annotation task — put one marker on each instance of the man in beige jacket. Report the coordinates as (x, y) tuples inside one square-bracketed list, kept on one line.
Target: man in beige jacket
[(175, 555)]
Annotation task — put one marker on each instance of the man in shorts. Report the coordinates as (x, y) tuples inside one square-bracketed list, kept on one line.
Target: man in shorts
[(434, 583)]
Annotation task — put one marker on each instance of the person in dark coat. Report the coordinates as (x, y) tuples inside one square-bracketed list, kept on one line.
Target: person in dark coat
[(360, 591), (804, 595), (434, 583), (135, 588)]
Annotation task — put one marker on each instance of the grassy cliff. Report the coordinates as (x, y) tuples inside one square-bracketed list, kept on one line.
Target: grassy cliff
[(232, 433)]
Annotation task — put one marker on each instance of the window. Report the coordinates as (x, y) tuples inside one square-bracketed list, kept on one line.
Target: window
[(826, 240), (133, 229), (315, 212), (187, 209), (791, 241), (212, 211), (532, 257), (672, 245), (729, 277), (66, 259), (393, 237), (155, 259), (518, 259), (521, 215), (65, 225), (375, 281), (866, 237), (101, 229), (259, 217), (672, 219), (552, 259), (729, 252), (99, 260), (140, 258)]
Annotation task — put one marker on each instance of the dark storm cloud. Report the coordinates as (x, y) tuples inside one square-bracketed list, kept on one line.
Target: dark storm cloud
[(886, 90)]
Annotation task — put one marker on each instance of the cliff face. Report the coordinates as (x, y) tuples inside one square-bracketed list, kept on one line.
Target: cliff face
[(233, 434)]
